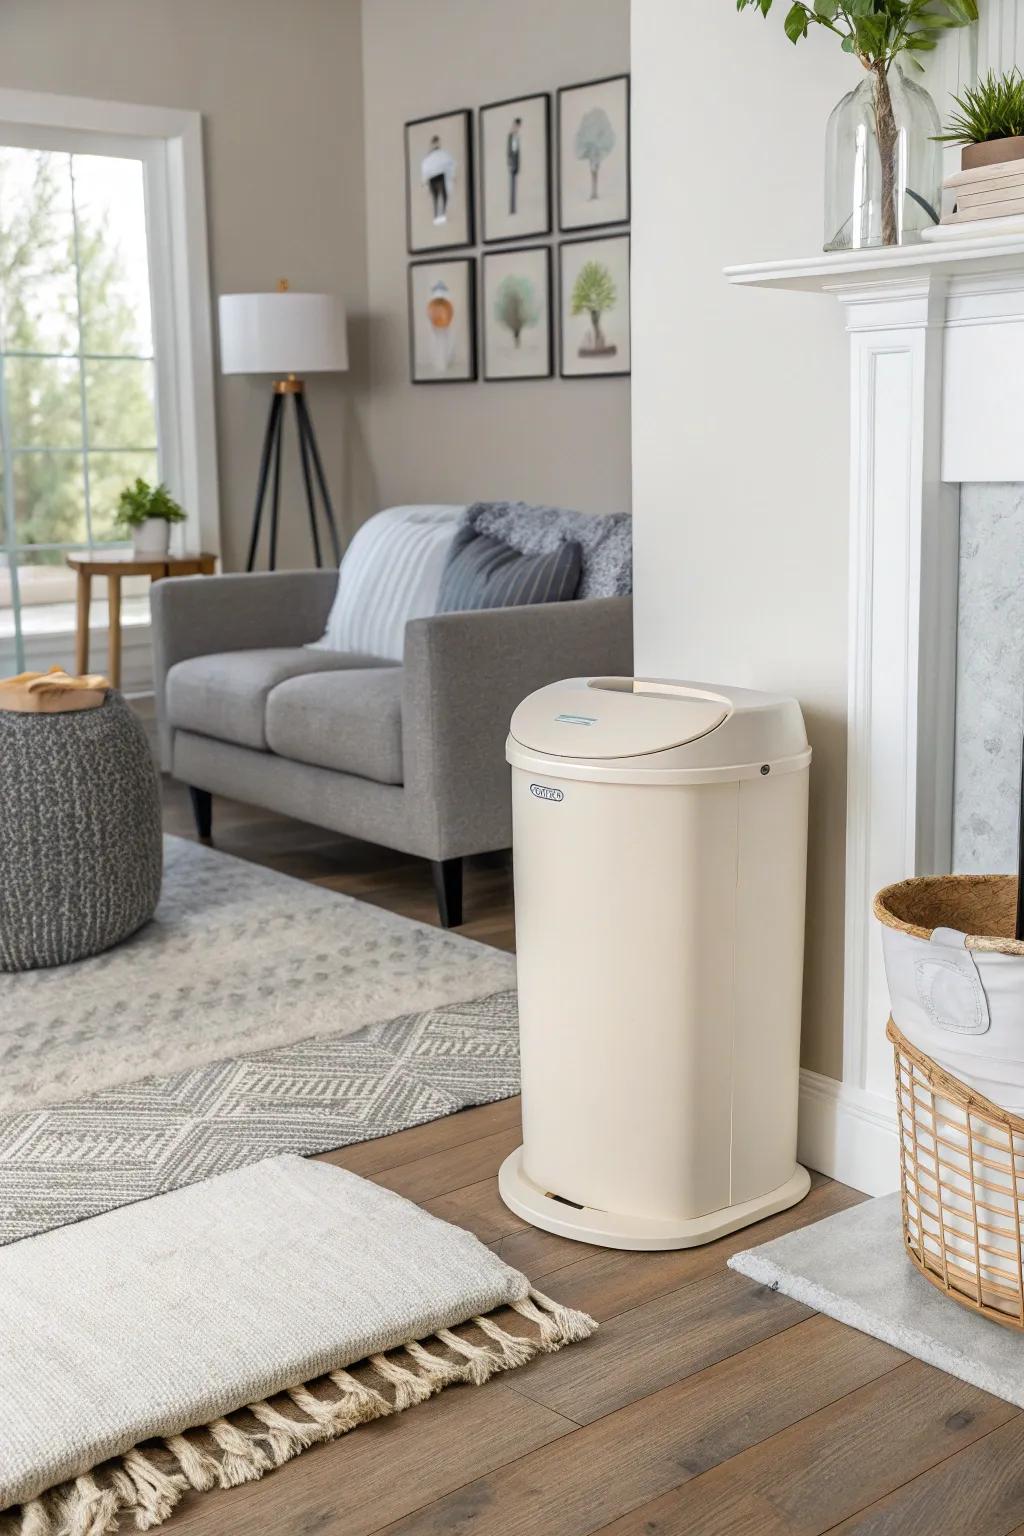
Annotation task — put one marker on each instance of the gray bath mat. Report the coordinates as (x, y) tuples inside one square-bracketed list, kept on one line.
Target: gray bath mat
[(853, 1267)]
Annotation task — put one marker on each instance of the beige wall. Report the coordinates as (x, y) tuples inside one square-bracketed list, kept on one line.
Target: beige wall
[(740, 404), (280, 90), (564, 442)]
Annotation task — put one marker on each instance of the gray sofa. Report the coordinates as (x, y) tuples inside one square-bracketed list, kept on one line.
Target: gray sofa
[(410, 756)]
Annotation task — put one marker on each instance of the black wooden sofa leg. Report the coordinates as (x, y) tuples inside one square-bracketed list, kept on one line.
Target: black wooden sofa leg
[(202, 810), (448, 889)]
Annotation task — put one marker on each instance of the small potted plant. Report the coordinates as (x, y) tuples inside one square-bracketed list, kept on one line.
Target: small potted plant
[(147, 512), (989, 125)]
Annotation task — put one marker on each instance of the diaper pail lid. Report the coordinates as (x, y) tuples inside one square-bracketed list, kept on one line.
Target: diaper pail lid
[(601, 717), (653, 730)]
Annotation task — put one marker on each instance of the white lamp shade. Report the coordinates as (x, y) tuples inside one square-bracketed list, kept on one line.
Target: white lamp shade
[(282, 333)]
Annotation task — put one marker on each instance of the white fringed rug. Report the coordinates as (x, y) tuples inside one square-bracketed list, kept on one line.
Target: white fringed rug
[(203, 1338)]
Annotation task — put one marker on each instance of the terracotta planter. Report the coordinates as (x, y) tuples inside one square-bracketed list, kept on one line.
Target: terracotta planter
[(991, 152)]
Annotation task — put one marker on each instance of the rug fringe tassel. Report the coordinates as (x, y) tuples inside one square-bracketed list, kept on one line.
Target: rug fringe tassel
[(409, 1387), (365, 1402), (201, 1469), (138, 1483), (480, 1365), (513, 1349)]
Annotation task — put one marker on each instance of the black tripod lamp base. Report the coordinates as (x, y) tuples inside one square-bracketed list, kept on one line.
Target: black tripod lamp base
[(313, 476)]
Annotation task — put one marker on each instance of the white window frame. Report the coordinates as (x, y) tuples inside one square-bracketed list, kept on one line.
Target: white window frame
[(169, 144)]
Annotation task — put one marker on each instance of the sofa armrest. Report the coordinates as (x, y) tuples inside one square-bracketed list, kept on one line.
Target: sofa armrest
[(464, 675), (202, 615)]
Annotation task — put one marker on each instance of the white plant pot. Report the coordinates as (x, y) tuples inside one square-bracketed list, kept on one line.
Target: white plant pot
[(153, 537)]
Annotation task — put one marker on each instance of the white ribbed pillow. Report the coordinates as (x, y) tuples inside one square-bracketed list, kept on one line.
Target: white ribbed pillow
[(390, 573)]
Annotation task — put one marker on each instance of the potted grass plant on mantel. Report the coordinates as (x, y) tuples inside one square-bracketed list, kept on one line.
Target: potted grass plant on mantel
[(988, 125), (883, 168), (147, 512), (989, 121)]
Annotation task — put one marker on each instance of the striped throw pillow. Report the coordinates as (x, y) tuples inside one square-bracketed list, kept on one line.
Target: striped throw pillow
[(486, 573), (391, 573)]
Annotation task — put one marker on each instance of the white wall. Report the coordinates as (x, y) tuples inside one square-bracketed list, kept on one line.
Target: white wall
[(740, 432), (561, 442)]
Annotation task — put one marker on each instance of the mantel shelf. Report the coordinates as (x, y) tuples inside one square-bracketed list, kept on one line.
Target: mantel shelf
[(842, 271)]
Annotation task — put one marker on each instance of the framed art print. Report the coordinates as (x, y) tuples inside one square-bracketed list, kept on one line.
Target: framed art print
[(516, 313), (594, 306), (593, 153), (442, 321), (515, 161), (439, 182)]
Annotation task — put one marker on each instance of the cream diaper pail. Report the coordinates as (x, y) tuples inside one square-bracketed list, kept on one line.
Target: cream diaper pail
[(660, 840)]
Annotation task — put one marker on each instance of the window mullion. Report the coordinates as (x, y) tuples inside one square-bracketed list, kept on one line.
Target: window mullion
[(8, 535), (81, 356)]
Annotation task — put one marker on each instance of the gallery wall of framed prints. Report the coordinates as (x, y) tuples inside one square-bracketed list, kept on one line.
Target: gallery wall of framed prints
[(531, 161)]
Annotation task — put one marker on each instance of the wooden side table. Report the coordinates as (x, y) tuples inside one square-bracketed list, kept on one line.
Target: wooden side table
[(113, 564)]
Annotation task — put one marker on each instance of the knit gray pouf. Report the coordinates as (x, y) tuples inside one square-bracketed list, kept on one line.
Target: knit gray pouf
[(80, 844)]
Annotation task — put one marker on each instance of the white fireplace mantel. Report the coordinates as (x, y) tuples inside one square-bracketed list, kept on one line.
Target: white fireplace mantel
[(936, 336)]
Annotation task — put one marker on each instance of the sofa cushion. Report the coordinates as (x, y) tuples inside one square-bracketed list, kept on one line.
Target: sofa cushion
[(605, 540), (487, 573), (350, 721), (391, 573), (224, 695)]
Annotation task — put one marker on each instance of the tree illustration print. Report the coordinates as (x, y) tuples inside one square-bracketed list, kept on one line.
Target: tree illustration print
[(517, 305), (594, 294), (595, 140)]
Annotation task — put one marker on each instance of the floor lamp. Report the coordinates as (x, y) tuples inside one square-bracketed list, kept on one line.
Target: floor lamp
[(286, 335)]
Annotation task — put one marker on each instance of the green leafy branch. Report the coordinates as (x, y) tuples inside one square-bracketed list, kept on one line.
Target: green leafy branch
[(875, 31)]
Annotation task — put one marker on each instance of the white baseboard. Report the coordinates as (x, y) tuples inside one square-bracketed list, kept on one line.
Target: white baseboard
[(848, 1134)]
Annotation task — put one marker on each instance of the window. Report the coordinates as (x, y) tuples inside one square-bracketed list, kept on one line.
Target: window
[(105, 352), (77, 375)]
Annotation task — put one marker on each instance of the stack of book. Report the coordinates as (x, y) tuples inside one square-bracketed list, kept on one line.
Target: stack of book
[(989, 192)]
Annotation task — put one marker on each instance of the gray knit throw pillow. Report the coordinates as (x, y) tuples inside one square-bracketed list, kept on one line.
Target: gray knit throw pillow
[(80, 842), (487, 573), (605, 542)]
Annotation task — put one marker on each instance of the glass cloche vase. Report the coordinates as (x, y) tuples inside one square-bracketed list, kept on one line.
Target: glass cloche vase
[(883, 167)]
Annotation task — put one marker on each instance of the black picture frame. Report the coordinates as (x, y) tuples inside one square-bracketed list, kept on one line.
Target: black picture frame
[(595, 239), (548, 226), (518, 378), (471, 305), (466, 114), (567, 90)]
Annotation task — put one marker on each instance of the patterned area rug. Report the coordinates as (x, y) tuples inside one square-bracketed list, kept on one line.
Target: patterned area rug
[(340, 1078), (237, 958)]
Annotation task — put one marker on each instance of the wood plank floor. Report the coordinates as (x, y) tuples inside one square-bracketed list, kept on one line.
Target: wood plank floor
[(705, 1405)]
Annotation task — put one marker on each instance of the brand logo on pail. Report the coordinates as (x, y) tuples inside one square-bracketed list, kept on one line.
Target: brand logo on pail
[(545, 792), (575, 719)]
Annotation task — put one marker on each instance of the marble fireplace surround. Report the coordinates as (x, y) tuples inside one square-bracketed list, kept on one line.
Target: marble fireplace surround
[(936, 338), (989, 679)]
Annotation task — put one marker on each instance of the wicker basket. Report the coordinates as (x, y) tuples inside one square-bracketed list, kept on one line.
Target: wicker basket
[(962, 1180)]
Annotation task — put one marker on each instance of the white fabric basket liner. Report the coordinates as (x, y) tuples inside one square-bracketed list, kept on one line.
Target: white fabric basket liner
[(962, 1007)]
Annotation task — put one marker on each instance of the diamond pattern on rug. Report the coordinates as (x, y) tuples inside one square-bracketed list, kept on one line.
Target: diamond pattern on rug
[(64, 1162)]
